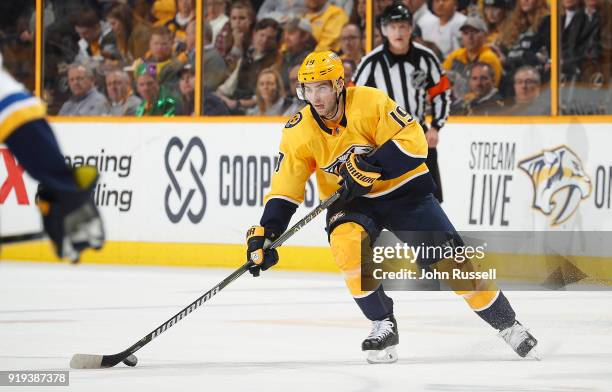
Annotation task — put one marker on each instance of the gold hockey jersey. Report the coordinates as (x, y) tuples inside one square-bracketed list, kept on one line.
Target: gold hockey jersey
[(308, 145)]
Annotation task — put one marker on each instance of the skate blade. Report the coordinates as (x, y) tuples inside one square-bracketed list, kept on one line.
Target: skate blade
[(388, 355)]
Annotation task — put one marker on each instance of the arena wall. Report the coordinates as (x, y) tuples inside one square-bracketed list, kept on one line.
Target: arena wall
[(183, 193)]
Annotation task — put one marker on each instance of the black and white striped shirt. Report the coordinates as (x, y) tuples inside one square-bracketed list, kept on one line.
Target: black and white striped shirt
[(409, 80)]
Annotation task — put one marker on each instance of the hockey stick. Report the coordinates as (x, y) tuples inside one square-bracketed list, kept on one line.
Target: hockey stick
[(11, 239), (93, 361)]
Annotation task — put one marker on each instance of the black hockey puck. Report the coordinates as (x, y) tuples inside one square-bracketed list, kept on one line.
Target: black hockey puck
[(131, 360)]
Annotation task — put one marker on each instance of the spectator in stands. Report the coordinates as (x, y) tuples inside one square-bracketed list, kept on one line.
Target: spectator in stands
[(327, 21), (573, 39), (86, 100), (119, 19), (186, 52), (474, 50), (131, 37), (160, 58), (215, 15), (156, 99), (270, 95), (525, 37), (281, 10), (187, 89), (351, 44), (349, 69), (358, 16), (483, 98), (212, 105), (528, 97), (379, 6), (235, 37), (59, 49), (443, 31), (95, 45), (214, 70), (377, 38), (163, 11), (238, 90), (296, 103), (420, 12), (346, 5), (141, 28), (178, 25), (121, 98), (299, 42), (495, 13), (598, 43)]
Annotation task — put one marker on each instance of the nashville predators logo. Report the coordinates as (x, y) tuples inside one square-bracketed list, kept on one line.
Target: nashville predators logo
[(334, 167), (293, 121), (559, 182)]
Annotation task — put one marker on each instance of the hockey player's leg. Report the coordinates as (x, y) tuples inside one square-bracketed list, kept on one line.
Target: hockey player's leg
[(346, 240), (490, 304), (381, 343), (422, 222), (498, 312)]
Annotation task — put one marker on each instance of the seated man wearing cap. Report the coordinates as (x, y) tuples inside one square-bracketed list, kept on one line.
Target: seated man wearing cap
[(474, 50), (156, 101)]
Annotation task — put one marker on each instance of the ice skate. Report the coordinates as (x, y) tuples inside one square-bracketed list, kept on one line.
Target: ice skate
[(380, 343), (521, 341)]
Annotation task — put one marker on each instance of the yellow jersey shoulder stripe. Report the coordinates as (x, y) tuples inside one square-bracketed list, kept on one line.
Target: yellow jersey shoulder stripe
[(19, 112)]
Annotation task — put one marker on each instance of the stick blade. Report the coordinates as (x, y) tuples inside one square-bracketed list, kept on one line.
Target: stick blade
[(86, 361)]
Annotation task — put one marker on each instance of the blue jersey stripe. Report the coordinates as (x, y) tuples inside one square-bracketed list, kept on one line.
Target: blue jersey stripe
[(12, 98)]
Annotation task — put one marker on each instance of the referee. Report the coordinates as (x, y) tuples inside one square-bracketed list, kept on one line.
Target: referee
[(410, 74)]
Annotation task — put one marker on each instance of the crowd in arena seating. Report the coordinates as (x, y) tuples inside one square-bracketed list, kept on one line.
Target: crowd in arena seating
[(137, 57)]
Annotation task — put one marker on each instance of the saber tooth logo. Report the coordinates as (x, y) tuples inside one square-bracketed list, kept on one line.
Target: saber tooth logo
[(358, 149), (559, 182)]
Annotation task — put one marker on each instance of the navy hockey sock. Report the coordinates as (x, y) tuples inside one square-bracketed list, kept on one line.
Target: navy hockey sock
[(499, 314), (377, 305)]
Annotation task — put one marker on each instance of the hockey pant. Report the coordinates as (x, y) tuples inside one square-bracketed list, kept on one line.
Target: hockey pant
[(361, 221)]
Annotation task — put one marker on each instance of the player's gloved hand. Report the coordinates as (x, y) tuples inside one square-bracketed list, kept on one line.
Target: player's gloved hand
[(262, 258), (358, 176), (71, 219)]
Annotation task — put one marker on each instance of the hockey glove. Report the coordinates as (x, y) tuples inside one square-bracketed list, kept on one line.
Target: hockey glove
[(358, 176), (71, 219), (262, 258)]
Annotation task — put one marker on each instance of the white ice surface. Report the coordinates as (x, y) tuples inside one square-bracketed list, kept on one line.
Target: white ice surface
[(285, 331)]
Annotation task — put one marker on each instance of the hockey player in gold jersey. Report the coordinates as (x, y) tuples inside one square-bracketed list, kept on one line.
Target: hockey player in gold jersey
[(360, 141)]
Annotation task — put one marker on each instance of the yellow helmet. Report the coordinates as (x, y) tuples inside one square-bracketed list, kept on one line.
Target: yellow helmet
[(320, 66)]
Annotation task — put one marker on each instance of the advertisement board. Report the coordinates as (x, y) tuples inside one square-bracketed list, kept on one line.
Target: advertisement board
[(204, 183)]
